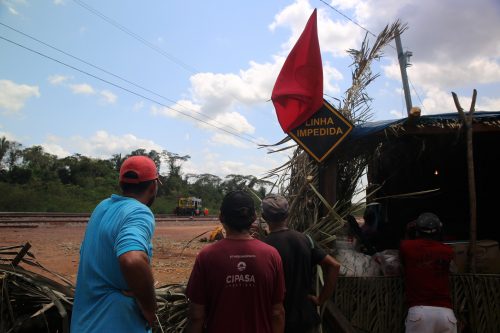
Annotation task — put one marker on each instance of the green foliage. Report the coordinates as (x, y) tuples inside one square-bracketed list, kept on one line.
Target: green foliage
[(34, 180)]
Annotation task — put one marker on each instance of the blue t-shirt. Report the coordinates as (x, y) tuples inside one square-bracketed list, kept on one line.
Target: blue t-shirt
[(117, 225)]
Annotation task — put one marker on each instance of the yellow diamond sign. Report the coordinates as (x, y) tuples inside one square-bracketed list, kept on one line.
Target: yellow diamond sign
[(320, 134)]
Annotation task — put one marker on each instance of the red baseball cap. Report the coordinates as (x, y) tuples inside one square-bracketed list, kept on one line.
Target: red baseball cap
[(142, 169)]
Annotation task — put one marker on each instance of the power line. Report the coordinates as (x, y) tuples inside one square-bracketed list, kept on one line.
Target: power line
[(416, 92), (119, 77), (347, 17), (189, 68), (137, 37), (130, 91)]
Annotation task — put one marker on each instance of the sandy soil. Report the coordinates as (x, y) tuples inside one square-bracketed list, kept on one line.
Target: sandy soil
[(56, 247)]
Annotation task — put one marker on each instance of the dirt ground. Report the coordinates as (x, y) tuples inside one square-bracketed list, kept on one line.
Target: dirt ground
[(56, 247)]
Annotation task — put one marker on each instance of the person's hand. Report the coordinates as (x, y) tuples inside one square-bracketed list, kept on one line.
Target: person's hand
[(314, 300), (148, 315)]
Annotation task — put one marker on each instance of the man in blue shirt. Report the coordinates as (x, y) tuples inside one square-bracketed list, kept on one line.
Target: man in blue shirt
[(115, 287)]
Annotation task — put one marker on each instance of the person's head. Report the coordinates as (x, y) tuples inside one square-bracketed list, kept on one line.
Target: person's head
[(274, 208), (139, 178), (237, 211), (429, 226)]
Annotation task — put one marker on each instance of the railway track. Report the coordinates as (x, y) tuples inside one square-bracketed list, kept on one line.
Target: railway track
[(26, 218)]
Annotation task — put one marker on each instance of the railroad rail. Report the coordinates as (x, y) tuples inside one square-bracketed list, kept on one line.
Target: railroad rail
[(7, 218)]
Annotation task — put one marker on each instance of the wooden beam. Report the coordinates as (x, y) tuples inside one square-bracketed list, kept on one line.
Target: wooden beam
[(328, 182)]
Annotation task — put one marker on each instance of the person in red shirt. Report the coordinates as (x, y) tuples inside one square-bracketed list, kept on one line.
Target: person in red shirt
[(426, 264), (237, 284)]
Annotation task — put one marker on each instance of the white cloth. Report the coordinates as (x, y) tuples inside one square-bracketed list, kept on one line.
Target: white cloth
[(430, 319)]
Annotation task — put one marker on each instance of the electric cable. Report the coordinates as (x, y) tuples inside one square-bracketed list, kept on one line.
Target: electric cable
[(121, 78), (137, 37), (416, 92), (130, 91)]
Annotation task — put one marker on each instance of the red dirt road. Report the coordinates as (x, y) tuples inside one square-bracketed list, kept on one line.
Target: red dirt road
[(56, 246)]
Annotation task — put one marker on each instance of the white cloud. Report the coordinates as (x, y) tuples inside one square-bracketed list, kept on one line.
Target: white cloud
[(13, 96), (12, 5), (12, 10), (488, 104), (479, 70), (82, 88), (212, 162), (9, 136), (59, 2), (439, 101), (57, 79), (226, 139), (397, 114), (331, 74), (184, 106), (101, 145), (233, 121), (334, 36), (55, 149), (108, 97)]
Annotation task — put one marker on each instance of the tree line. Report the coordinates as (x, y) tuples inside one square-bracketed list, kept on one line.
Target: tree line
[(34, 180)]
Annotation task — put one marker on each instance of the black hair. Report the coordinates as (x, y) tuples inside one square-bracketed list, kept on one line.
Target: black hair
[(135, 188), (238, 210)]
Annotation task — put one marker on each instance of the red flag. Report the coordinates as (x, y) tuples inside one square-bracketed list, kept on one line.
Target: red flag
[(298, 91)]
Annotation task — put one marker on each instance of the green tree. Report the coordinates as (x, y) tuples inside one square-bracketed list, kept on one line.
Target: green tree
[(43, 165), (207, 187), (175, 185), (14, 154), (4, 147)]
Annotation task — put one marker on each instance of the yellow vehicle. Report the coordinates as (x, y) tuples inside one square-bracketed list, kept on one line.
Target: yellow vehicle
[(189, 206)]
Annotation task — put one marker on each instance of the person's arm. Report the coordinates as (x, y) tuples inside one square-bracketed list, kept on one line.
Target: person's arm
[(278, 318), (139, 276), (196, 318), (330, 268)]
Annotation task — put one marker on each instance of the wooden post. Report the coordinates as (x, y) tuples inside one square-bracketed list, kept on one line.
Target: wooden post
[(328, 182), (467, 119)]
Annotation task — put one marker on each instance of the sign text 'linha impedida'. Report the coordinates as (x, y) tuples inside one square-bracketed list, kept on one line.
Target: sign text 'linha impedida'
[(319, 131)]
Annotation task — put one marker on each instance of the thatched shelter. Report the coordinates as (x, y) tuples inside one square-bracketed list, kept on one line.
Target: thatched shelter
[(428, 155), (413, 166)]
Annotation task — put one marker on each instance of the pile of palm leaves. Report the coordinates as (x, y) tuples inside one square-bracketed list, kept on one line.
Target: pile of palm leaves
[(172, 309), (31, 302)]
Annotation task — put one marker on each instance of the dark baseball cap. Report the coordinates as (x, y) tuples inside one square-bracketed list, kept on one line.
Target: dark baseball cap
[(138, 169), (428, 223), (237, 204), (274, 208)]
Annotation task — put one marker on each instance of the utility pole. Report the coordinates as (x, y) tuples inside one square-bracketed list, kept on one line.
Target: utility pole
[(404, 62)]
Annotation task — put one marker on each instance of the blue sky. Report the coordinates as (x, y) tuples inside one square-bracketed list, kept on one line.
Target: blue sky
[(218, 61)]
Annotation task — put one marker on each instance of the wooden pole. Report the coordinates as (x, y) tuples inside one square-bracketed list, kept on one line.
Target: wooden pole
[(467, 119)]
